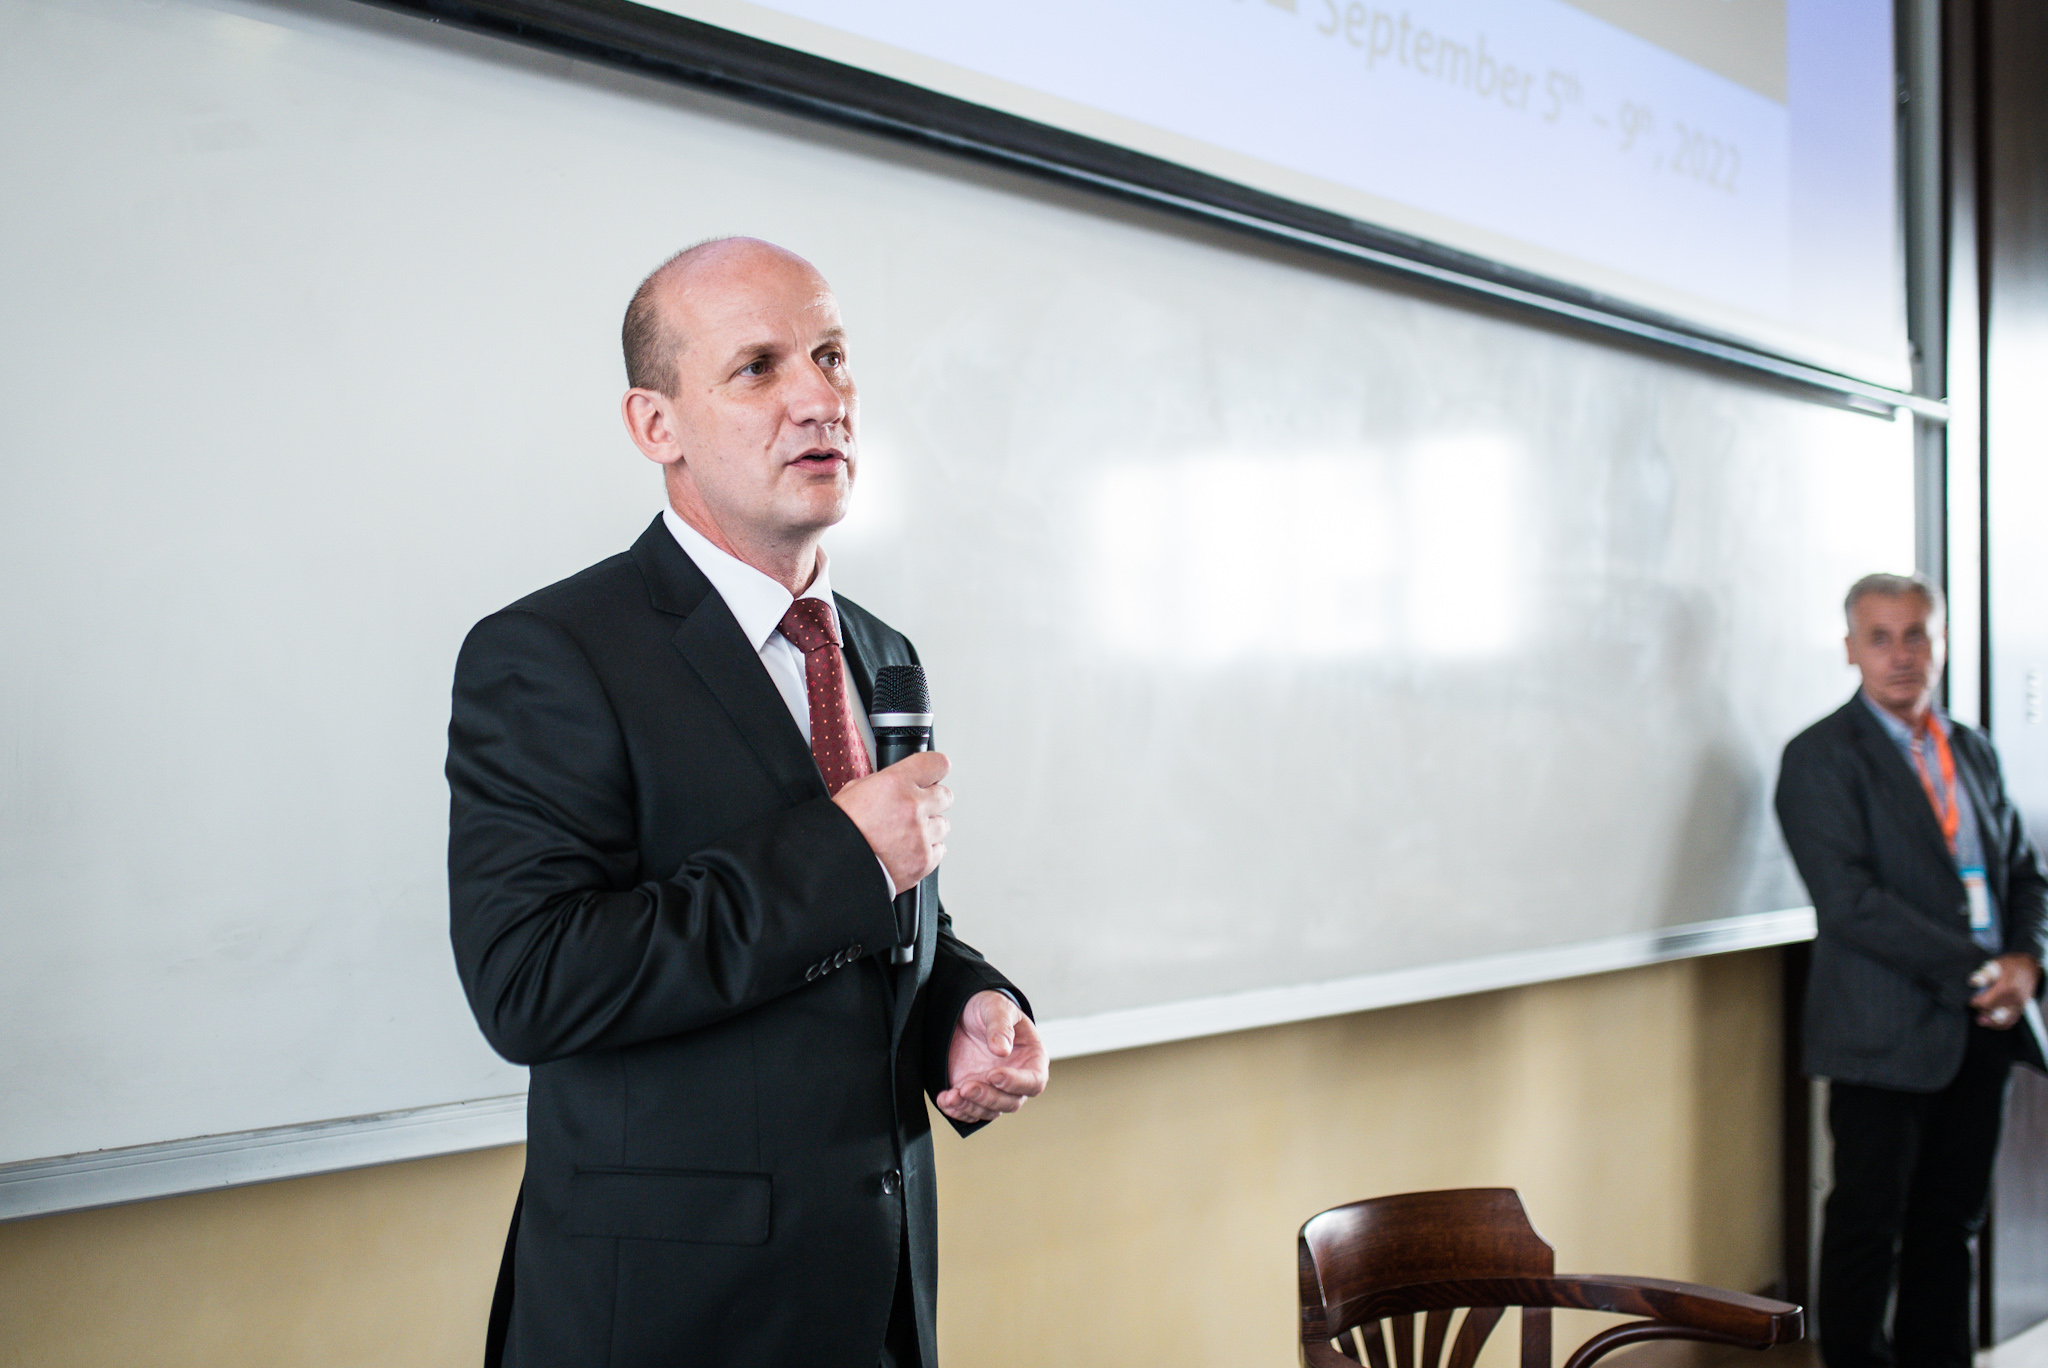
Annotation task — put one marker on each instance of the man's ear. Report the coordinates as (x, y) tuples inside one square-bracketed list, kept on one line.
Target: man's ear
[(651, 422)]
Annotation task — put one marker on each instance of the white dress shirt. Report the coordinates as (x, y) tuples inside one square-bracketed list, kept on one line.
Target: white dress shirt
[(758, 603)]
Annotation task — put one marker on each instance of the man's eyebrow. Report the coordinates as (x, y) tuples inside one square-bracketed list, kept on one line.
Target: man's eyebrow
[(773, 346)]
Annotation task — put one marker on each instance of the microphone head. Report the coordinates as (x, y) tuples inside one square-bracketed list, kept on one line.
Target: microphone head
[(901, 689)]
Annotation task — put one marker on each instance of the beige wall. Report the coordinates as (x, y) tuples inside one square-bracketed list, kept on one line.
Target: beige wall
[(1145, 1211), (1142, 1213)]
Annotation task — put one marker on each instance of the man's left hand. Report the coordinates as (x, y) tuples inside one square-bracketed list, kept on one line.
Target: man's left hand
[(2003, 1000), (996, 1062)]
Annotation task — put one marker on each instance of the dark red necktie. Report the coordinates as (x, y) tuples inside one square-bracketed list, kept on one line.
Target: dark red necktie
[(835, 740)]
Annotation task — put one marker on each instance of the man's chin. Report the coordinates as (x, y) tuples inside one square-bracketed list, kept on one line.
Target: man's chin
[(816, 515), (1903, 700)]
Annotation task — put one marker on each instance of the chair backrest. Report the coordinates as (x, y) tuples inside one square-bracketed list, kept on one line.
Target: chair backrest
[(1358, 1261), (1473, 1249)]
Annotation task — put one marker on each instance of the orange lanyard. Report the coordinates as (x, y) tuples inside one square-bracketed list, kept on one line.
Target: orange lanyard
[(1946, 809)]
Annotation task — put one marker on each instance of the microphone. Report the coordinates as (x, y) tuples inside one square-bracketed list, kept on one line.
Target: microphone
[(901, 716)]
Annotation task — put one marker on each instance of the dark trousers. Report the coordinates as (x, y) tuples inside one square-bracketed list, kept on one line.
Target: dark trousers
[(1912, 1177)]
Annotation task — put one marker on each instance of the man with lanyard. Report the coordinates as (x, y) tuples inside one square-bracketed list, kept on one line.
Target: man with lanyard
[(1931, 903)]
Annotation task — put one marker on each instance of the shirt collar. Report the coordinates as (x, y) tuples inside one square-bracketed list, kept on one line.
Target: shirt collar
[(1897, 730), (757, 602)]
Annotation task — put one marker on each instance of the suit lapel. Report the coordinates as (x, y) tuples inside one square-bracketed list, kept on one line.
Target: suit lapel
[(906, 979), (859, 653), (710, 640), (865, 654), (1895, 773), (913, 975)]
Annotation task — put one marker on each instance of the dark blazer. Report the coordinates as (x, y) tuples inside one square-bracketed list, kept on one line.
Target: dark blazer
[(1887, 1000), (656, 905)]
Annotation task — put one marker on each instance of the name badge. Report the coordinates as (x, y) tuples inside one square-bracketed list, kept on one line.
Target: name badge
[(1979, 894)]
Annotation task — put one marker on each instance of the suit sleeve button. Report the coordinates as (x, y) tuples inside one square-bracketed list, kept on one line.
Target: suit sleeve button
[(855, 951), (811, 974)]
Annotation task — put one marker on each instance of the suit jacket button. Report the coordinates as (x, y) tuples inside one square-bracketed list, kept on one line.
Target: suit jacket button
[(892, 1182)]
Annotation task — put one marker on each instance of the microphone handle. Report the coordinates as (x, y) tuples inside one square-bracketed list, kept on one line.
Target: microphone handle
[(891, 745), (900, 743)]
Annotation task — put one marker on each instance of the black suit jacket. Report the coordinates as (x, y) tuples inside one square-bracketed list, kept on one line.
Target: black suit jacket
[(1887, 1001), (656, 905)]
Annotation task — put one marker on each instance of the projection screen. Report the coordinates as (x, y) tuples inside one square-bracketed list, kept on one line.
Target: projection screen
[(1731, 163)]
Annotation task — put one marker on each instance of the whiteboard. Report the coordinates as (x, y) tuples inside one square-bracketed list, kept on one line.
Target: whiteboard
[(1282, 627)]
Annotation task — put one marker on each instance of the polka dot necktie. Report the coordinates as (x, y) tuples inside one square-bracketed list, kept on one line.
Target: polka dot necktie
[(835, 741)]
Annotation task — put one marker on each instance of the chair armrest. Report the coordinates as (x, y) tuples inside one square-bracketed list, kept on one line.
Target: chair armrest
[(1758, 1320), (1676, 1310)]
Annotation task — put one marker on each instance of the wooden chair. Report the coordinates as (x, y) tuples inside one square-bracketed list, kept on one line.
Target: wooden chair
[(1435, 1252)]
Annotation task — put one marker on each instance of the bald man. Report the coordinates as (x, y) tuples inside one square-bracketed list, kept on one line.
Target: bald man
[(671, 866)]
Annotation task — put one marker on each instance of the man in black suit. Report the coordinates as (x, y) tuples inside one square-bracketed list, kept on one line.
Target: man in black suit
[(671, 871), (1931, 905)]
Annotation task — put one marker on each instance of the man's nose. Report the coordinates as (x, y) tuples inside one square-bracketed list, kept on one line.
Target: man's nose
[(815, 399)]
